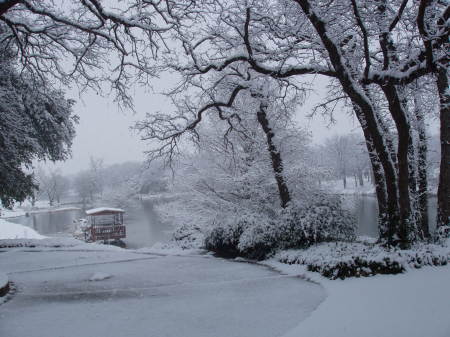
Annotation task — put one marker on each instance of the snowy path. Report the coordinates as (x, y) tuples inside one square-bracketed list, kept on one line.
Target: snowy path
[(148, 295)]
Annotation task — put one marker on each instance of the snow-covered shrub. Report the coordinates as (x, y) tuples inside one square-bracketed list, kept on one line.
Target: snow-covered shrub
[(189, 237), (343, 259), (260, 239), (223, 239), (299, 226), (320, 219), (442, 234)]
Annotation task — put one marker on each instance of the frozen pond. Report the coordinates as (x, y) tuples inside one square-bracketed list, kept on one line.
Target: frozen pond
[(148, 295), (144, 228)]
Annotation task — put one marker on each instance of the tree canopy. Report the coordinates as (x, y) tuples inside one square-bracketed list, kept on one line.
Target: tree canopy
[(35, 123)]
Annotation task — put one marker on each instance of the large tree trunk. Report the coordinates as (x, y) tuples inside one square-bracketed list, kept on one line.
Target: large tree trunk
[(378, 181), (422, 179), (405, 156), (275, 156), (405, 148), (366, 115), (443, 217)]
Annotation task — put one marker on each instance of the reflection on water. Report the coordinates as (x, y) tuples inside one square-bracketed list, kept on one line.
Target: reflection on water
[(47, 223), (144, 228), (365, 209)]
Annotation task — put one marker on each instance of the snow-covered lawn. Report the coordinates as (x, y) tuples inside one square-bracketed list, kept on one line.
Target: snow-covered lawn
[(9, 230), (114, 292)]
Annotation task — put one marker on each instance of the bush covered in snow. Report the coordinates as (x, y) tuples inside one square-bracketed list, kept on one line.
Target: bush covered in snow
[(342, 259), (188, 237), (298, 226), (224, 238), (442, 234)]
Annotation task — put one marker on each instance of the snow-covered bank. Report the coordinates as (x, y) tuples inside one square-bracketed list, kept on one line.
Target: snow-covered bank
[(39, 207), (9, 230), (11, 213), (337, 187), (348, 259), (414, 304), (54, 210)]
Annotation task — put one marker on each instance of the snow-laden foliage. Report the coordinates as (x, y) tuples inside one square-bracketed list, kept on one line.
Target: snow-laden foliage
[(442, 234), (319, 219), (342, 259), (228, 191), (189, 237), (35, 123), (372, 53)]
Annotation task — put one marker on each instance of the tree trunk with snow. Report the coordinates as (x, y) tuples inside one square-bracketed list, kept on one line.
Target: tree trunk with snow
[(397, 109), (361, 178), (275, 156), (443, 217), (367, 117), (422, 165)]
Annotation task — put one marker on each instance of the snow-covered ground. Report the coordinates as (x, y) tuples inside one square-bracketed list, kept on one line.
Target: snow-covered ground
[(65, 287), (38, 207), (68, 292), (414, 304), (11, 213), (9, 230)]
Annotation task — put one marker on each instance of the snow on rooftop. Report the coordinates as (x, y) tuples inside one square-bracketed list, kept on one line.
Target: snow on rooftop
[(104, 209)]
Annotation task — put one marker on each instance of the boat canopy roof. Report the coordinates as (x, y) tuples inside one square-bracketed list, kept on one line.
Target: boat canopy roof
[(104, 211)]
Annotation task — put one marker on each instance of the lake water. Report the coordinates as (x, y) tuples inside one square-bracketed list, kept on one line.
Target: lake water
[(365, 209), (144, 228)]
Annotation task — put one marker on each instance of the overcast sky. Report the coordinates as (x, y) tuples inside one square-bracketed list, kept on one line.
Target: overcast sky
[(104, 130)]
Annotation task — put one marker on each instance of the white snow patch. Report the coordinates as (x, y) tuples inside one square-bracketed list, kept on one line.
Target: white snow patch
[(11, 213), (99, 276), (104, 209), (9, 230), (414, 304), (170, 248)]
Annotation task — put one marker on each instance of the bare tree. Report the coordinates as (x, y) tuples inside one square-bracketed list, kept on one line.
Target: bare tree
[(372, 58), (90, 42)]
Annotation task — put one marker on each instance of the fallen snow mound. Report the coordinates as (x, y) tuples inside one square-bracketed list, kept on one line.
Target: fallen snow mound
[(9, 230), (99, 276)]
